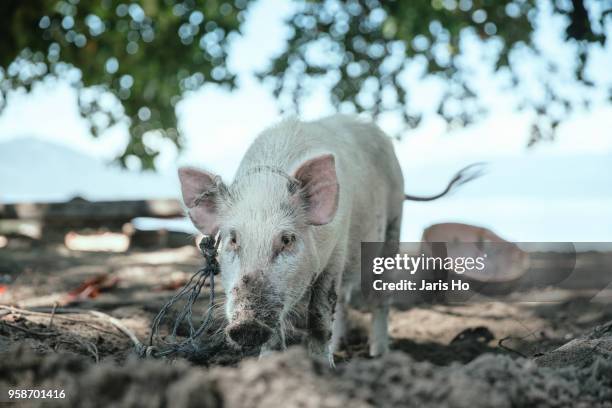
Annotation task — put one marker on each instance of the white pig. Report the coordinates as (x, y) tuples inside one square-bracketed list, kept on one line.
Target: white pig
[(291, 224)]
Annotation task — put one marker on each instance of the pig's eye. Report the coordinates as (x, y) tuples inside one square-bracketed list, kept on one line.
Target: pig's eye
[(233, 241), (287, 240)]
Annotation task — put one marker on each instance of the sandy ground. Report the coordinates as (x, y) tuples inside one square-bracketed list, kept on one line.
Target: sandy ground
[(501, 353)]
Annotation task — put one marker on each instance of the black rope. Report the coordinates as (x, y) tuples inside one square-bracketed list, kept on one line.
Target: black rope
[(191, 291)]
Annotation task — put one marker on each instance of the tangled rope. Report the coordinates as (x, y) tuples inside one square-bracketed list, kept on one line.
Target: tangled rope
[(190, 293)]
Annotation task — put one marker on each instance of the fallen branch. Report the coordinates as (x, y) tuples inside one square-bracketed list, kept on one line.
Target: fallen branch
[(58, 313), (26, 330), (119, 326)]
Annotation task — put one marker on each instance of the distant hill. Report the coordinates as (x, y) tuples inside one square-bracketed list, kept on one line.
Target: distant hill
[(35, 170)]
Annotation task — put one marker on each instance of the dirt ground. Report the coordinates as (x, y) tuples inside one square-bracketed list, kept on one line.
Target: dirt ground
[(501, 353)]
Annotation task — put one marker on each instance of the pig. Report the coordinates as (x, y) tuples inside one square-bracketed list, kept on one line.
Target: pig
[(290, 225), (506, 261)]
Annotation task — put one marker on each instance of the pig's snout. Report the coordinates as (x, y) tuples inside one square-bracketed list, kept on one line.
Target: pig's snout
[(249, 333), (255, 311)]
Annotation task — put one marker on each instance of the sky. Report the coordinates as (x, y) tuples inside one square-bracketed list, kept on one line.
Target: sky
[(559, 191)]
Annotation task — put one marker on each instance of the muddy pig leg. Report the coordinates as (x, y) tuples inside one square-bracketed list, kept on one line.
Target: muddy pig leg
[(379, 333), (339, 326), (320, 315)]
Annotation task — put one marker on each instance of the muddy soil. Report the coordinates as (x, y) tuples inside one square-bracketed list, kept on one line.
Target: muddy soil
[(490, 353)]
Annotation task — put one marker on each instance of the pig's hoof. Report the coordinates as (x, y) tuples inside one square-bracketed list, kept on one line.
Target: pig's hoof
[(377, 350), (321, 352), (330, 360), (248, 334)]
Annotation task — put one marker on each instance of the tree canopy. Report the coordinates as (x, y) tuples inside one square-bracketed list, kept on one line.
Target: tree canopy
[(147, 54)]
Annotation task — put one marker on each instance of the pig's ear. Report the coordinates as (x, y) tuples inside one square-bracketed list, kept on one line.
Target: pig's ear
[(320, 189), (200, 196)]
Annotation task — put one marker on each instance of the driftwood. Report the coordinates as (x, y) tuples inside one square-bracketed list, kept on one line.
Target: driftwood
[(79, 209), (53, 220), (140, 238)]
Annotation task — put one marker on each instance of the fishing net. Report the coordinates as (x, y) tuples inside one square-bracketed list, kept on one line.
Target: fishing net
[(183, 301)]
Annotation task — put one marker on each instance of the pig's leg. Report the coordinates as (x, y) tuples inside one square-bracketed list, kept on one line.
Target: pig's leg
[(379, 334), (320, 314), (338, 327), (340, 324)]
